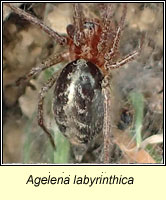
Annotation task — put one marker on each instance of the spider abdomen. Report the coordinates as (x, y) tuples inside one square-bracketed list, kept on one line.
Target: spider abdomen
[(78, 103)]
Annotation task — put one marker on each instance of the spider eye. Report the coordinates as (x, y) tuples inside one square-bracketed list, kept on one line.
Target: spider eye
[(70, 30), (89, 25)]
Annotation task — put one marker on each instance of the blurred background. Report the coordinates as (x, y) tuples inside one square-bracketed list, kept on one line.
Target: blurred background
[(137, 88)]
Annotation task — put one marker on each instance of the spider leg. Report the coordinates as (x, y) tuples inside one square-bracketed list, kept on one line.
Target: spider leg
[(46, 64), (33, 20), (78, 16), (42, 95), (107, 119), (110, 33), (116, 39), (108, 65), (121, 24), (107, 27), (78, 19), (123, 61), (105, 10)]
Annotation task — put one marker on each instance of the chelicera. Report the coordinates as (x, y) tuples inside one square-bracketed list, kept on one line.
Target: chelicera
[(82, 100)]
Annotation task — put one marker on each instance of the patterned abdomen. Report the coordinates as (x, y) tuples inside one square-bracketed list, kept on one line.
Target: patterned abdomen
[(78, 103)]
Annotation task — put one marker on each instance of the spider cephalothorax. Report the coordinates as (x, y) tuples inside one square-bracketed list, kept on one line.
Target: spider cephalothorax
[(92, 39), (82, 100)]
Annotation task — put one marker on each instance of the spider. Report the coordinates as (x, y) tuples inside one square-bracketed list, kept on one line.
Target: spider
[(82, 97)]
